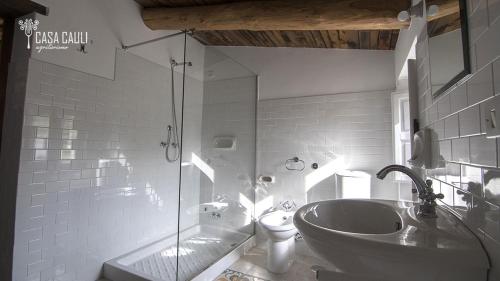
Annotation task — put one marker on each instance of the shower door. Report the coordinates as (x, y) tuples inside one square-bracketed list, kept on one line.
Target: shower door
[(216, 204)]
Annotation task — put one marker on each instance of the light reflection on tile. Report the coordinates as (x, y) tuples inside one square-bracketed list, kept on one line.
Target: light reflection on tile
[(492, 185), (462, 201), (471, 180), (453, 174), (448, 192), (68, 154)]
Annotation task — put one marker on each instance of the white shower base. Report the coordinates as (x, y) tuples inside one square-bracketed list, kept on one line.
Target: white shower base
[(199, 248)]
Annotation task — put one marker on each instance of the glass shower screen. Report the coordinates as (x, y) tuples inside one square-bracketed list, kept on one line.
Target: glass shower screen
[(216, 202)]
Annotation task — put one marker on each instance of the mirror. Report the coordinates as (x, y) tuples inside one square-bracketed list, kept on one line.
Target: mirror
[(448, 43)]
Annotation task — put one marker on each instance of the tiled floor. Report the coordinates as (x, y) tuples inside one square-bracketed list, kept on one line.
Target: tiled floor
[(254, 263)]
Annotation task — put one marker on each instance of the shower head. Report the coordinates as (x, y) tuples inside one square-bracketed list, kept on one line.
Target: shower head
[(173, 63)]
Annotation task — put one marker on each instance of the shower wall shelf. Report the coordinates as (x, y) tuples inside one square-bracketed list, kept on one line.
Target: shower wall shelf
[(225, 143)]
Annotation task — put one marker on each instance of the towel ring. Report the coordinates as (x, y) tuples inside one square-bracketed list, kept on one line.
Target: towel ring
[(295, 160)]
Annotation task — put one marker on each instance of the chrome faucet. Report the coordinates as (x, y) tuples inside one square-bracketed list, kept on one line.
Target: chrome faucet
[(287, 205), (427, 207)]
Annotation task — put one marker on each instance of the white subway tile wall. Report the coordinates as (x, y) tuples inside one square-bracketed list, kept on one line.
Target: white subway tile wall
[(93, 181), (321, 129), (474, 158)]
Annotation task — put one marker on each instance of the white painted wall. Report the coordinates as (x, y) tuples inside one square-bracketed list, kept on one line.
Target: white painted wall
[(296, 72), (109, 25)]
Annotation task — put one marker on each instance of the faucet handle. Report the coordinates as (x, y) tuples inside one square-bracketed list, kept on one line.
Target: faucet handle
[(429, 183), (288, 205)]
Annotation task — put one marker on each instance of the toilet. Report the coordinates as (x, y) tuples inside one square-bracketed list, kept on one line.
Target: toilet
[(280, 230)]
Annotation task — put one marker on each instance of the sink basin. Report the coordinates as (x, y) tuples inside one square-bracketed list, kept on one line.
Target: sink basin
[(355, 216), (386, 239)]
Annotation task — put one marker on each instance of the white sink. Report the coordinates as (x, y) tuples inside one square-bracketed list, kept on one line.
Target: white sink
[(355, 216), (385, 239)]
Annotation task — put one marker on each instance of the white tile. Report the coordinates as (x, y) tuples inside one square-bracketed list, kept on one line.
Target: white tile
[(30, 109), (448, 192), (36, 121), (433, 113), (488, 45), (496, 74), (483, 151), (493, 10), (453, 174), (472, 5), (469, 121), (445, 149), (458, 98), (480, 86), (444, 106), (488, 104), (122, 136), (57, 186), (451, 127), (478, 21), (69, 174), (438, 128), (460, 150)]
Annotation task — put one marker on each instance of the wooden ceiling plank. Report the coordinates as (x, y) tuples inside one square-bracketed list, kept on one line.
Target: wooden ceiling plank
[(318, 39), (281, 15), (335, 38), (374, 34), (326, 38), (384, 40), (364, 40), (394, 39), (348, 39), (250, 38)]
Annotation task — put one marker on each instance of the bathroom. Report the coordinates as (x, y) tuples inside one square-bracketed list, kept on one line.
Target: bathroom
[(247, 140)]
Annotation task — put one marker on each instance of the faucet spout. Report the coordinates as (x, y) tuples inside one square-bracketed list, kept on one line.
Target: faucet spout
[(419, 183), (427, 208)]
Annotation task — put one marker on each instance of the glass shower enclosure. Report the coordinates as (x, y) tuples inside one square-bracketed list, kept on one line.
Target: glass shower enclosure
[(216, 202), (203, 193)]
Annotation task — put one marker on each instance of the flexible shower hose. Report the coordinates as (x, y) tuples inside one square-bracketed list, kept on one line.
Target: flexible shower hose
[(172, 137)]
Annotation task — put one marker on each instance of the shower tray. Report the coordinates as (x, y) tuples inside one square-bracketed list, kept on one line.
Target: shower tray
[(204, 252)]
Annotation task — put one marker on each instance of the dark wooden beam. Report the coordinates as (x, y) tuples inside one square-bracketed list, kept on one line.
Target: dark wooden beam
[(16, 8), (281, 15)]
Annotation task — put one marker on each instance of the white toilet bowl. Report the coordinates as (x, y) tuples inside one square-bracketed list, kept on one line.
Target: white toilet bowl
[(279, 227)]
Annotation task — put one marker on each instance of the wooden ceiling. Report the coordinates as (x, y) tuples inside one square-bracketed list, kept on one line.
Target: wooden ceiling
[(376, 39), (343, 39)]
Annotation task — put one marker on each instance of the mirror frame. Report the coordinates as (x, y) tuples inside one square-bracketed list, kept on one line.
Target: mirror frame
[(465, 50)]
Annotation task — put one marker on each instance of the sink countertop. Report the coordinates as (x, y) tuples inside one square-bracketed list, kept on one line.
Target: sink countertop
[(444, 236)]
